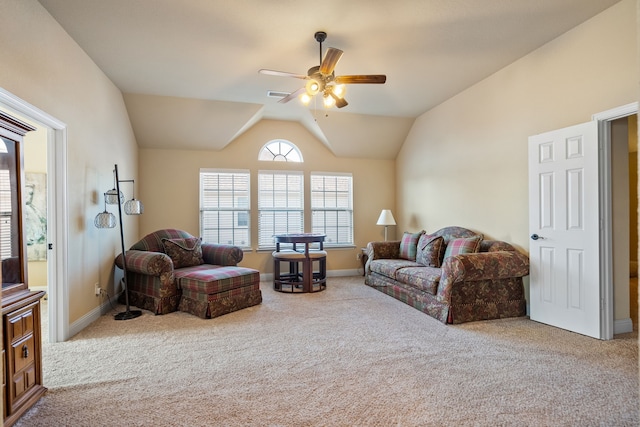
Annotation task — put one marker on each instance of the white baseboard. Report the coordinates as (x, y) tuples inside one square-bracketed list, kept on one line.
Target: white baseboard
[(623, 326), (91, 316)]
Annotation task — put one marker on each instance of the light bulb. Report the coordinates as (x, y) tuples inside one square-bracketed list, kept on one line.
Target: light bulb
[(328, 101), (305, 98), (313, 87), (339, 90)]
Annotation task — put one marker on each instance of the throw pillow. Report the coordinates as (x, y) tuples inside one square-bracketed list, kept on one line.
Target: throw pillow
[(185, 252), (409, 244), (430, 249), (467, 245)]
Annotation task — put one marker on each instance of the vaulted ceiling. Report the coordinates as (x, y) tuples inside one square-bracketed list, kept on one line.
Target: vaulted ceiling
[(188, 69)]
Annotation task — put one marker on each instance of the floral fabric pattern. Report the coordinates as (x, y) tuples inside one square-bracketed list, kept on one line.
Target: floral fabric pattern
[(430, 250), (467, 287), (185, 252)]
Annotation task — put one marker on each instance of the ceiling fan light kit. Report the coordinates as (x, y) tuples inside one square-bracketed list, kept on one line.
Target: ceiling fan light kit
[(321, 79)]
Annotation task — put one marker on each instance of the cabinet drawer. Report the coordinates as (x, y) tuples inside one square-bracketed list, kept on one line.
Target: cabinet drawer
[(23, 353), (22, 383), (20, 323)]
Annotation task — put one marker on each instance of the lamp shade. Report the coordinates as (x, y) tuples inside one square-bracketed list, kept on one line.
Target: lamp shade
[(105, 220), (113, 197), (386, 218), (133, 207)]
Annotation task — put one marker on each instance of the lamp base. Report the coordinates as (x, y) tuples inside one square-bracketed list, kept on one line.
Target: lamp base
[(129, 314)]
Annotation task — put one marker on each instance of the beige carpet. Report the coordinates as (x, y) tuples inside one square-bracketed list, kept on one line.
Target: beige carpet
[(348, 356)]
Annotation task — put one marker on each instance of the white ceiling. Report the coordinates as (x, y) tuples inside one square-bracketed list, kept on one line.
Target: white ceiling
[(203, 57)]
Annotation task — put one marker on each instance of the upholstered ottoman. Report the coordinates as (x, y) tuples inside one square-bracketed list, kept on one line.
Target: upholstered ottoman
[(219, 290)]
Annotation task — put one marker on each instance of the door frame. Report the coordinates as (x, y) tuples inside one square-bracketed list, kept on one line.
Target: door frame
[(604, 119), (57, 213)]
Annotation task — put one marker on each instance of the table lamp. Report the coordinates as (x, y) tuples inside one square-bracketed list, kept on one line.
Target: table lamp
[(386, 219)]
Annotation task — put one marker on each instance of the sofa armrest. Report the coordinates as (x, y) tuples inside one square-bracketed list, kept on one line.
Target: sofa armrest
[(227, 255), (381, 250), (146, 262), (484, 266)]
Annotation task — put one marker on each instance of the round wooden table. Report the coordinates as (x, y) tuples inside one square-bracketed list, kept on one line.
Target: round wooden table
[(306, 239)]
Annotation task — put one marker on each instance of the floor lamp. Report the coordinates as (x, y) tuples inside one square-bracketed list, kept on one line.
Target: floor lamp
[(107, 220), (386, 219)]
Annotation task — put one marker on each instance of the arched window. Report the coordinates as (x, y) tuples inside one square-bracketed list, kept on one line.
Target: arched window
[(280, 150)]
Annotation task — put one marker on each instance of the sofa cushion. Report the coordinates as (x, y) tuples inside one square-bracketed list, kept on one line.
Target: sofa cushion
[(423, 278), (430, 249), (467, 245), (408, 245), (389, 267), (184, 252)]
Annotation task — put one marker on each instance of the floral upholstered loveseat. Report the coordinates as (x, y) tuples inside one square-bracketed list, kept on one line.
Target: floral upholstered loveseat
[(170, 270), (453, 274)]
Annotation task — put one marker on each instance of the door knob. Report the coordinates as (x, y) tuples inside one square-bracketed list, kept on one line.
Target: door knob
[(536, 237), (25, 351)]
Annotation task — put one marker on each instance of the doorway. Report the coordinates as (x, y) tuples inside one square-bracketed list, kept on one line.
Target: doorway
[(618, 139), (576, 281), (57, 216)]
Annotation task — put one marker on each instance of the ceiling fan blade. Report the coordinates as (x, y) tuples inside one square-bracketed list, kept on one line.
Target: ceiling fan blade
[(331, 58), (281, 73), (292, 95), (340, 102), (358, 79)]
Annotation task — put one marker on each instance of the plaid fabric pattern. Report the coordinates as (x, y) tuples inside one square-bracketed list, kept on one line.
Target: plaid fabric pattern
[(153, 241), (221, 254), (219, 279), (468, 245), (408, 245)]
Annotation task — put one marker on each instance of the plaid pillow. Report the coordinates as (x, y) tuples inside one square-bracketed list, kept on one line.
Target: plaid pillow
[(409, 244), (185, 252), (430, 249), (468, 245)]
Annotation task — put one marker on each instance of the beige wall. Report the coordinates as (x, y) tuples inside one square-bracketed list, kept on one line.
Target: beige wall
[(43, 66), (169, 186), (465, 161)]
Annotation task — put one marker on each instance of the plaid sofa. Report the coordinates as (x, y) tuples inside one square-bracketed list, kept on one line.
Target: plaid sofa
[(452, 283), (209, 286)]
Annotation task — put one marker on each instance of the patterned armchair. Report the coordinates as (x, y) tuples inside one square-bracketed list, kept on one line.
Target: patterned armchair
[(152, 276)]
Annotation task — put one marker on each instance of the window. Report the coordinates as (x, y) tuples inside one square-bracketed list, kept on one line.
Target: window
[(280, 150), (6, 214), (332, 207), (224, 207), (280, 205)]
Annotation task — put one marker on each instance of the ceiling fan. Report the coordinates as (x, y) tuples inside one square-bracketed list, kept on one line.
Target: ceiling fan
[(321, 79)]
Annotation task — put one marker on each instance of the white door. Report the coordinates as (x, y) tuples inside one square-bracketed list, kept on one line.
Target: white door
[(564, 229)]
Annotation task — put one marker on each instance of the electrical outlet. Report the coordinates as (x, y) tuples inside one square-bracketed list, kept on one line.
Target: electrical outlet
[(97, 289)]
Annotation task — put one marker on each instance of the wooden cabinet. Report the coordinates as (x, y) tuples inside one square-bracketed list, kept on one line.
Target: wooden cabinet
[(21, 340), (22, 352)]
